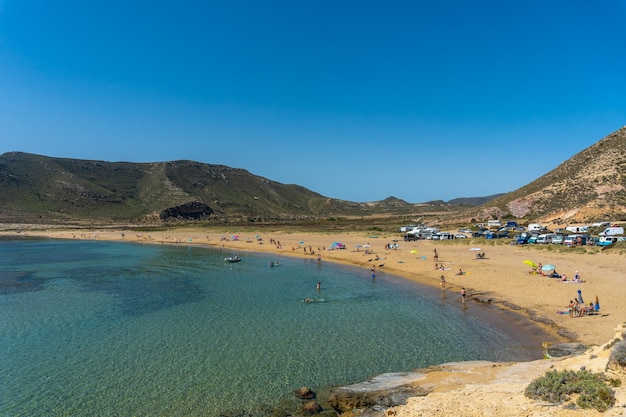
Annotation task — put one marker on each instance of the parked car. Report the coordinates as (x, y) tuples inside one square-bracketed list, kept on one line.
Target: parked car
[(460, 236), (545, 238), (496, 235), (574, 240), (557, 239), (479, 233), (609, 240)]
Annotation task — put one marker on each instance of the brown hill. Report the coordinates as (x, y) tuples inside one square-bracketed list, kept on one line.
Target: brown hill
[(588, 187), (41, 189)]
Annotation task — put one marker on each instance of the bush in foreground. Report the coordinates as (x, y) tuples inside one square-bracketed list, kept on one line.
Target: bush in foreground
[(558, 386)]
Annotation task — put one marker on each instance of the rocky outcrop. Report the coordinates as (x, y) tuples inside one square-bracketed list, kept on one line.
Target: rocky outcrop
[(566, 349), (193, 210), (373, 397), (378, 393)]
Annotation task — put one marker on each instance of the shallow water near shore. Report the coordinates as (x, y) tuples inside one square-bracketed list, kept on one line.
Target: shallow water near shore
[(109, 329)]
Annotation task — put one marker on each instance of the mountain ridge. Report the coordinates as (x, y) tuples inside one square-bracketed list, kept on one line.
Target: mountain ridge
[(590, 186), (36, 187)]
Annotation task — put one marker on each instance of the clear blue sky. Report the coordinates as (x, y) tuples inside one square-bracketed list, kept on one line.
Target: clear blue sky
[(357, 100)]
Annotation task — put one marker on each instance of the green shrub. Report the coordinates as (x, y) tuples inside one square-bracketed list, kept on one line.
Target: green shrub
[(557, 387)]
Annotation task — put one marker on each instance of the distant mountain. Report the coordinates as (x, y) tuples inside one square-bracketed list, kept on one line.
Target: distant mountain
[(35, 188), (588, 187)]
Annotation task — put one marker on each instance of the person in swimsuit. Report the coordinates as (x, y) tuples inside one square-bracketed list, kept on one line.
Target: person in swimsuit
[(463, 294), (443, 282)]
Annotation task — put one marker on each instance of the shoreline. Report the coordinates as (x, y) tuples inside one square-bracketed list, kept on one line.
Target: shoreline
[(498, 280)]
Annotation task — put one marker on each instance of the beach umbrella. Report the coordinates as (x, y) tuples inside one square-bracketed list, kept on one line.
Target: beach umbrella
[(367, 245), (413, 251), (580, 297), (597, 306), (530, 263), (548, 267), (475, 249)]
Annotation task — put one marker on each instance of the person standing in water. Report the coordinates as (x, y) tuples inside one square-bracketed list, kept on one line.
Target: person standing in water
[(443, 282), (463, 294), (318, 286)]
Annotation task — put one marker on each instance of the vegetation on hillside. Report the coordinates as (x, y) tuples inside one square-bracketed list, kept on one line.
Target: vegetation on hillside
[(590, 186)]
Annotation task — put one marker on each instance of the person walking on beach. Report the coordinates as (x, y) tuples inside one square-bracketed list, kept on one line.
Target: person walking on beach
[(443, 282), (463, 294), (436, 255)]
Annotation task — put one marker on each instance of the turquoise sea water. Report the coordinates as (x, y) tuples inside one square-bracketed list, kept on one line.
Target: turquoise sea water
[(112, 329)]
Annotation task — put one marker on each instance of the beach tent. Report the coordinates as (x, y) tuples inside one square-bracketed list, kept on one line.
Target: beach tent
[(337, 245)]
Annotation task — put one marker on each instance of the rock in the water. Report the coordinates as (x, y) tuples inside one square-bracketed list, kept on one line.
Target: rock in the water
[(304, 393), (311, 407)]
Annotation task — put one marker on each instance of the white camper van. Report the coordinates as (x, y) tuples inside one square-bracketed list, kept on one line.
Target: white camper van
[(577, 229), (534, 227), (612, 231)]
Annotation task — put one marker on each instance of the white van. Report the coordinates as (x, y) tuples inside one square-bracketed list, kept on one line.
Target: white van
[(494, 223), (601, 224), (577, 229), (442, 236), (545, 238), (534, 227), (612, 231)]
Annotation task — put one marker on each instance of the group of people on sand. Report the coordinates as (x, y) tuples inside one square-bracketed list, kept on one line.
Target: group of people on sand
[(577, 310), (552, 273), (576, 278), (440, 267)]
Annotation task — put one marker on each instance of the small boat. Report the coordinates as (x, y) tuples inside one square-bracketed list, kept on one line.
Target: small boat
[(235, 258)]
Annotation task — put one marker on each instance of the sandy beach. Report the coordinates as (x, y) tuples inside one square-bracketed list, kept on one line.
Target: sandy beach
[(500, 278)]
